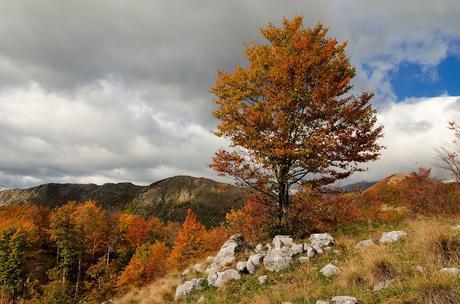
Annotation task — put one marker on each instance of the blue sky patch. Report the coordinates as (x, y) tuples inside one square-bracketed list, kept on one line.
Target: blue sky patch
[(414, 80)]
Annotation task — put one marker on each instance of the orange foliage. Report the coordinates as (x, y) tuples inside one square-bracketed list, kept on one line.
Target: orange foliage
[(190, 244), (147, 264)]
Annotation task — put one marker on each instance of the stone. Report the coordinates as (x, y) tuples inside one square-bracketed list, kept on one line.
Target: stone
[(262, 279), (185, 272), (279, 241), (344, 300), (304, 259), (322, 302), (210, 259), (309, 250), (391, 237), (318, 249), (420, 269), (321, 240), (277, 259), (381, 285), (218, 279), (241, 267), (227, 253), (253, 262), (183, 290), (198, 268), (365, 244), (201, 299), (259, 248), (297, 248), (450, 271), (330, 270)]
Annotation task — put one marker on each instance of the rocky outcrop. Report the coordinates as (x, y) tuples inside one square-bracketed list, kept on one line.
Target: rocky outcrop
[(391, 237), (182, 291), (218, 279), (227, 253)]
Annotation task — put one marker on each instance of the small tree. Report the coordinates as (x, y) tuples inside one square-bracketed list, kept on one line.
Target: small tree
[(190, 243), (291, 116), (448, 155)]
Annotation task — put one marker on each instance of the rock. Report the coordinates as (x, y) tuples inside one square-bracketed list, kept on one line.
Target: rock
[(227, 253), (365, 244), (309, 250), (330, 270), (254, 261), (185, 272), (279, 241), (420, 269), (304, 259), (391, 237), (241, 267), (259, 248), (218, 279), (201, 299), (210, 259), (182, 291), (344, 300), (262, 279), (277, 259), (321, 240), (381, 285), (322, 302), (297, 248), (450, 271), (198, 268)]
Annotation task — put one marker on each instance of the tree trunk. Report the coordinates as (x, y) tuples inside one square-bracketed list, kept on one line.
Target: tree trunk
[(77, 283), (283, 199)]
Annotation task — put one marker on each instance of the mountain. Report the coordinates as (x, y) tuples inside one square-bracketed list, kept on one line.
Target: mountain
[(356, 187), (168, 199)]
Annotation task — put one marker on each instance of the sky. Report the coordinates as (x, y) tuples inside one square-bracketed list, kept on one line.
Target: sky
[(112, 91)]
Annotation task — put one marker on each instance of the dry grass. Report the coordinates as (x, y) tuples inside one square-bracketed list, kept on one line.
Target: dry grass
[(159, 292), (438, 243)]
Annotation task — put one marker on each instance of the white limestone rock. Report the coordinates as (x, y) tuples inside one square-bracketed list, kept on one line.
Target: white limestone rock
[(182, 291), (322, 302), (392, 236), (262, 279), (218, 279), (309, 250), (198, 268), (304, 259), (241, 267), (344, 300), (365, 244), (227, 253), (381, 285), (280, 241), (277, 259), (330, 270), (321, 240), (253, 262), (454, 271)]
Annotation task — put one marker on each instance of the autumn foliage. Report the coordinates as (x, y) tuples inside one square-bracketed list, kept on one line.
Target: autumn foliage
[(291, 116)]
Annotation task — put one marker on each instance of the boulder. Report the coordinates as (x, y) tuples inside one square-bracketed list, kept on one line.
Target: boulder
[(297, 248), (262, 279), (241, 267), (321, 240), (277, 259), (330, 270), (259, 248), (344, 300), (182, 291), (309, 250), (322, 302), (392, 236), (218, 279), (227, 253), (280, 241), (365, 244), (253, 262), (304, 259), (198, 268), (450, 271)]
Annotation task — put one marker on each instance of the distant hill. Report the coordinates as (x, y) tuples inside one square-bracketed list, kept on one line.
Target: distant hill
[(168, 199), (356, 187)]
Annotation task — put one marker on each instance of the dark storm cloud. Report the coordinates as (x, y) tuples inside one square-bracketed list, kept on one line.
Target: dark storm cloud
[(118, 90)]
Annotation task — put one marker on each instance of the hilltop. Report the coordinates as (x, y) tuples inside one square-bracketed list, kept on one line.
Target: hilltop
[(167, 199)]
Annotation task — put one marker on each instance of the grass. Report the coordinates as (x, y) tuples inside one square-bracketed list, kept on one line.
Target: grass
[(431, 244)]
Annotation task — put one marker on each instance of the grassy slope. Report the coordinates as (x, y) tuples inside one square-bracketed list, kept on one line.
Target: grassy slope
[(360, 271)]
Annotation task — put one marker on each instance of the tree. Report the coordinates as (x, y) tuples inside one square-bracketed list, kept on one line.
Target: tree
[(291, 116), (448, 155), (13, 248), (147, 264), (190, 243)]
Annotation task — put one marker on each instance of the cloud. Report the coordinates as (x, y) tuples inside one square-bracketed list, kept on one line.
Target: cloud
[(113, 90)]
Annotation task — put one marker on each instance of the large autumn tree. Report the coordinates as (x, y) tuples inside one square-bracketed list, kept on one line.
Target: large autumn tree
[(291, 114)]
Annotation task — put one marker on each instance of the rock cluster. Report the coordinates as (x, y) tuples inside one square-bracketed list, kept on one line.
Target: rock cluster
[(274, 257)]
